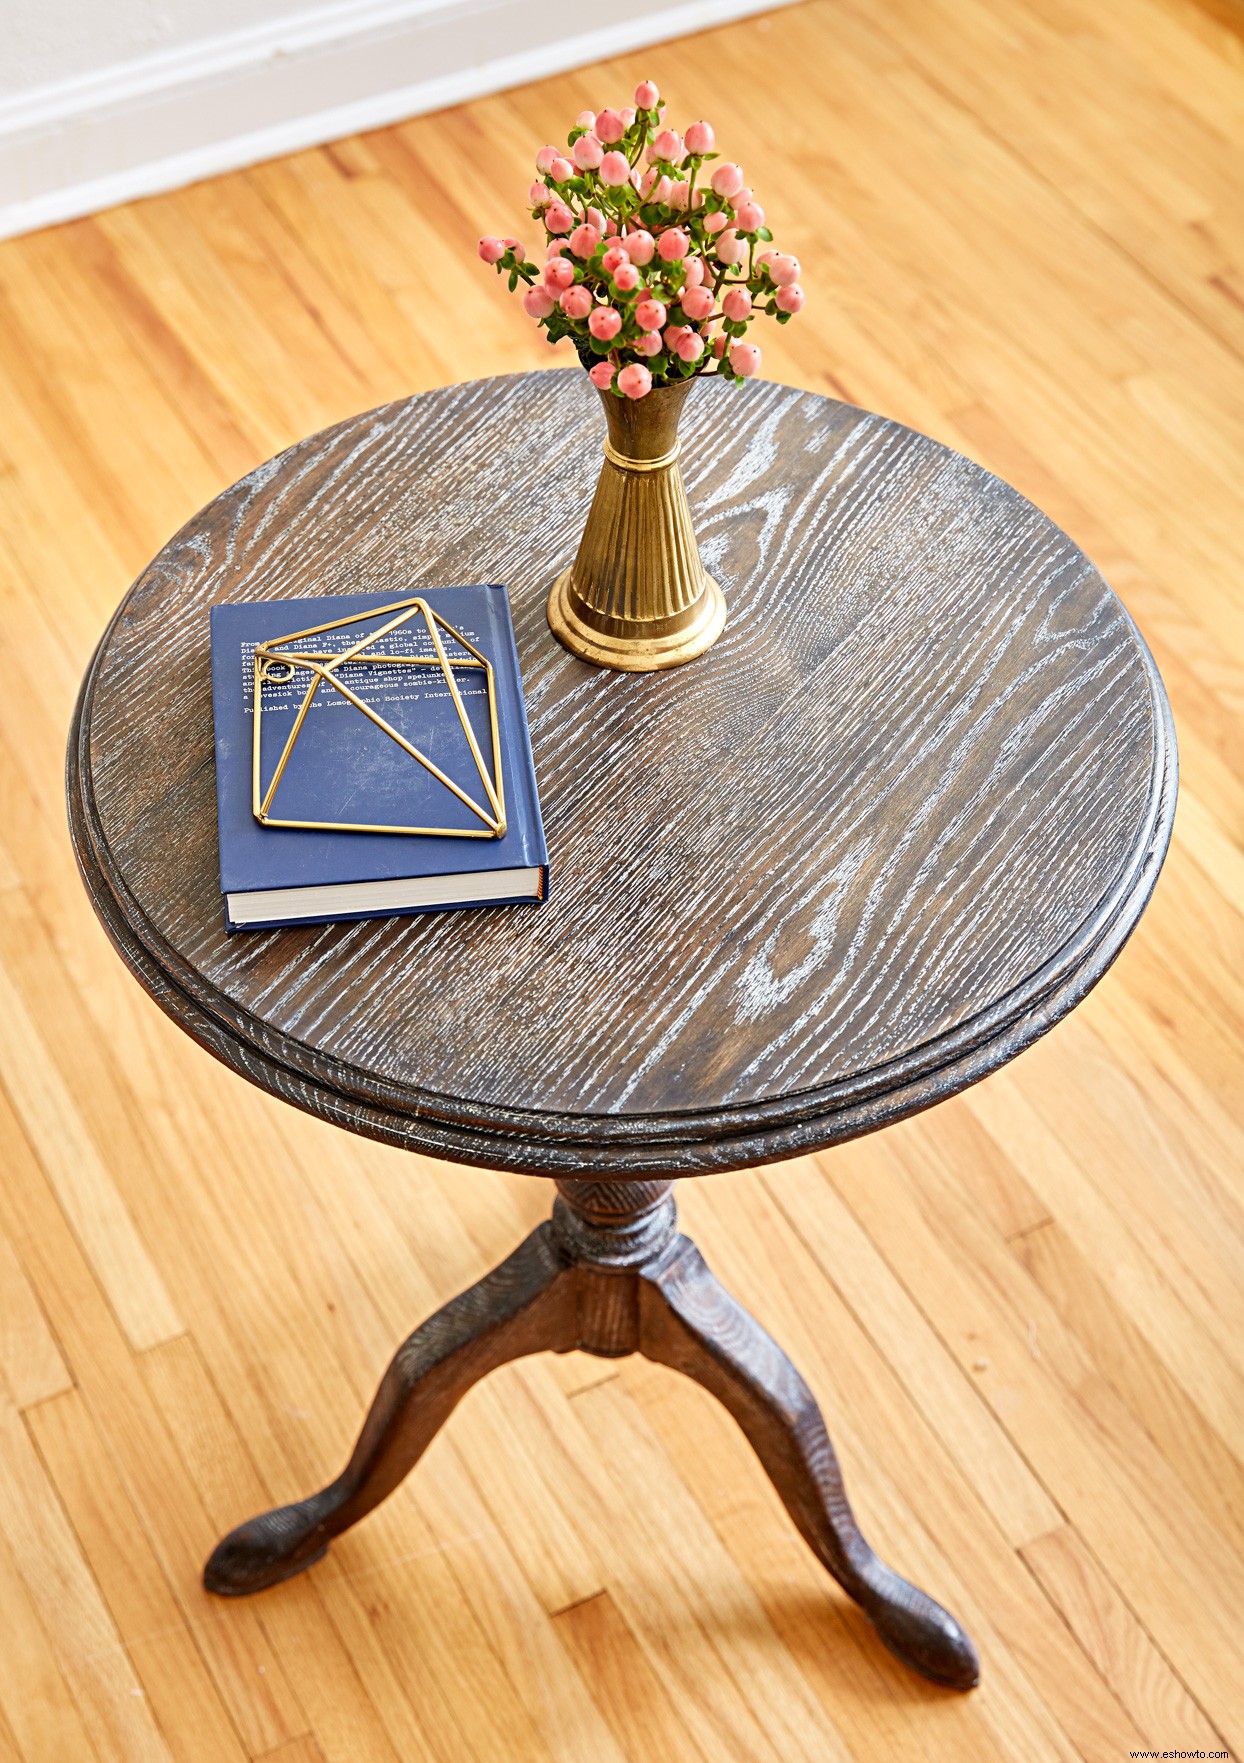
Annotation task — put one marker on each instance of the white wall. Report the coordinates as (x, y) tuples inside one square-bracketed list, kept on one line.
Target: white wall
[(104, 100), (46, 41)]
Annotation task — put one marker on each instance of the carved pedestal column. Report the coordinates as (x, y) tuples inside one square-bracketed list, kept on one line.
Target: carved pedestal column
[(611, 1274)]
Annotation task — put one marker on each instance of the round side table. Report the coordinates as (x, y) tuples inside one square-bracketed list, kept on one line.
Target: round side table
[(882, 836)]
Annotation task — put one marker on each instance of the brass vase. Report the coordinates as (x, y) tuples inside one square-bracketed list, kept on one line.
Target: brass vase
[(637, 596)]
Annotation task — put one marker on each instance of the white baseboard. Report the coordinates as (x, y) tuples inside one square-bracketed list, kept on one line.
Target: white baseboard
[(181, 114)]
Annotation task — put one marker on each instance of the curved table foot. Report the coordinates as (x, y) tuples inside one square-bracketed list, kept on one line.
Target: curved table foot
[(526, 1305), (690, 1322)]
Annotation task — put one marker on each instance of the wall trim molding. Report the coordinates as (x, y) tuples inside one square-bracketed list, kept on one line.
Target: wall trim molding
[(176, 115)]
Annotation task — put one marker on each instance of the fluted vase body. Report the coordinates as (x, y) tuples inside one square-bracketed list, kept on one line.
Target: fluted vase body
[(637, 597)]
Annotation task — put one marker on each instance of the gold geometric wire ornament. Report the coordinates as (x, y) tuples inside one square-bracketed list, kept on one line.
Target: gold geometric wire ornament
[(275, 665)]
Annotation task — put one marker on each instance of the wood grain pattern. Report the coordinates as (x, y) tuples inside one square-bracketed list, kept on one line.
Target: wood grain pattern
[(887, 832)]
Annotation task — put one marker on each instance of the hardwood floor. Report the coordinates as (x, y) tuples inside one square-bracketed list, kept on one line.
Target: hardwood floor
[(1022, 225)]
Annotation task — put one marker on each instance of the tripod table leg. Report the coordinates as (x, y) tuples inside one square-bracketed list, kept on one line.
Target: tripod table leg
[(690, 1322), (526, 1305)]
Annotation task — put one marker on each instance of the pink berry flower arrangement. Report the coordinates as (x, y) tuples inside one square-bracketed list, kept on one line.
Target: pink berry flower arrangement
[(655, 260)]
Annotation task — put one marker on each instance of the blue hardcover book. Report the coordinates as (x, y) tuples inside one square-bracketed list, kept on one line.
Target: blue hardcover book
[(417, 729)]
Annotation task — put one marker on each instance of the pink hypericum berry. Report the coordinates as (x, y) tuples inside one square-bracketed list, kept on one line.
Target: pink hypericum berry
[(576, 302), (558, 218), (697, 303), (538, 302), (690, 346), (668, 146), (635, 380), (601, 375), (680, 193), (673, 245), (790, 298), (539, 195), (490, 249), (648, 344), (611, 228), (640, 247), (558, 274), (627, 113), (650, 315), (555, 248), (595, 218), (560, 170), (626, 278), (609, 127), (749, 216), (646, 95), (586, 119), (546, 158), (614, 170), (614, 258), (604, 323), (699, 137), (727, 179), (674, 334), (730, 248), (587, 153), (745, 359), (737, 305), (716, 222), (784, 269), (584, 240), (719, 346), (514, 246)]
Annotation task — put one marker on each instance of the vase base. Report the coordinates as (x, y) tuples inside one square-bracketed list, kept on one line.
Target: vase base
[(636, 654)]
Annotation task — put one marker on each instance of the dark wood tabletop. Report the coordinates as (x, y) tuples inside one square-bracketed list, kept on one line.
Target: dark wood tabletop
[(883, 835)]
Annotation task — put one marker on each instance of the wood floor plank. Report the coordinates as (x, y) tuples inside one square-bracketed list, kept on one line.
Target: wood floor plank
[(946, 1395), (1208, 1470), (101, 1679), (925, 1517), (35, 1700), (259, 1701), (170, 1671), (1117, 1644), (643, 1716), (704, 1629), (1089, 1450), (84, 1186), (31, 1365), (321, 1674)]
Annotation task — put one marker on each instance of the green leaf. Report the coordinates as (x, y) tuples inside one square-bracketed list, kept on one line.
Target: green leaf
[(764, 233), (783, 317), (513, 280)]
